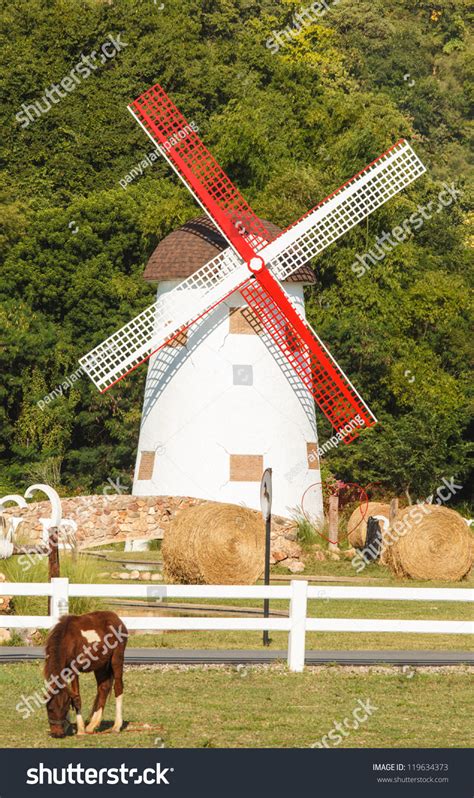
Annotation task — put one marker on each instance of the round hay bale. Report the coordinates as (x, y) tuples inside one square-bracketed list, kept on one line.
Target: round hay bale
[(357, 523), (214, 544), (430, 542)]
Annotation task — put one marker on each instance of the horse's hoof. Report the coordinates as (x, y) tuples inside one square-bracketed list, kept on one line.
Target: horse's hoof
[(116, 728)]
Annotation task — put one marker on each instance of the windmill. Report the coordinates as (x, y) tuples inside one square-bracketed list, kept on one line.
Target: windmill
[(254, 265)]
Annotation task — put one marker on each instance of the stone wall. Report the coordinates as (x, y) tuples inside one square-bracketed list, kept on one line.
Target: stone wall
[(110, 519)]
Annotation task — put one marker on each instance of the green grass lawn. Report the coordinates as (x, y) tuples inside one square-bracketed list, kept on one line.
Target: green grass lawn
[(263, 706)]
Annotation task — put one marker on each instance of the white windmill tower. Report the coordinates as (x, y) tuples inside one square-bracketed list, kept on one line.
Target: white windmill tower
[(221, 404), (255, 270)]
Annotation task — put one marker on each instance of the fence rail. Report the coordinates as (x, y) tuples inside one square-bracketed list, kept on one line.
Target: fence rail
[(297, 593)]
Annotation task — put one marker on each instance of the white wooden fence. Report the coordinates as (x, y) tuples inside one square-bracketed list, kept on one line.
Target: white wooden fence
[(297, 593)]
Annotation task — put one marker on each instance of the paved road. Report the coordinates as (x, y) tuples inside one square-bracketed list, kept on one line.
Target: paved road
[(175, 656)]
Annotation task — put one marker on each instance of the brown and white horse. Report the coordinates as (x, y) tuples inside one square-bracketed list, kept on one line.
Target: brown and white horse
[(81, 644)]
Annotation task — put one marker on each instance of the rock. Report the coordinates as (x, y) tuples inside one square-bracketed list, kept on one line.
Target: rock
[(145, 576), (25, 635), (156, 577), (278, 556), (103, 573), (5, 636), (333, 555), (295, 566), (125, 575), (349, 554), (117, 575), (134, 574), (290, 548), (2, 577), (5, 603), (320, 556), (109, 519)]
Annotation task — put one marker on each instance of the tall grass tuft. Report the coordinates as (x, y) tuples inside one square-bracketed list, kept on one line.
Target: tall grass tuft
[(84, 570), (305, 531)]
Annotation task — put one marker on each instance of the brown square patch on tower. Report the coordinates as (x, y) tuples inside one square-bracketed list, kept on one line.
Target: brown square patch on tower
[(312, 455), (180, 340), (242, 321), (246, 467), (147, 462)]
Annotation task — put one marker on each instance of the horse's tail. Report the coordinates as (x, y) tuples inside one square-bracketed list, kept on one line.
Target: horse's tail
[(54, 650)]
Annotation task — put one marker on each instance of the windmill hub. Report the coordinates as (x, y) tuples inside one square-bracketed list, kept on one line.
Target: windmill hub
[(256, 264)]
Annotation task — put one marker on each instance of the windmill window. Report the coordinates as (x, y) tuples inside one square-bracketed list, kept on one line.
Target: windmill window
[(312, 455), (180, 340), (147, 463), (243, 322), (246, 467)]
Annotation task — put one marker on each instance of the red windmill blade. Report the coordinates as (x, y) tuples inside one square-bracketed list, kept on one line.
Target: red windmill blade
[(332, 391), (199, 170), (254, 275)]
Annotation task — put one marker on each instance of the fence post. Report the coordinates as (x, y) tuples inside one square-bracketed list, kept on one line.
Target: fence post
[(333, 522), (60, 597), (297, 634), (393, 512)]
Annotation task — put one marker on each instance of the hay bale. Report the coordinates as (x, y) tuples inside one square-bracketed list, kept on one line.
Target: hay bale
[(357, 524), (431, 542), (214, 544)]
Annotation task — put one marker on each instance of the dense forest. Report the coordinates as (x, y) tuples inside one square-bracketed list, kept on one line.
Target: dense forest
[(291, 107)]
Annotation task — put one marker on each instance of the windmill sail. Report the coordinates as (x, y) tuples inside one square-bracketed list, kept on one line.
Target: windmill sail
[(177, 141), (301, 346), (347, 206), (183, 149), (132, 345)]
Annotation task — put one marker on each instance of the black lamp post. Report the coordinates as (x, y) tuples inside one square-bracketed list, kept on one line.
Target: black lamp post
[(266, 505)]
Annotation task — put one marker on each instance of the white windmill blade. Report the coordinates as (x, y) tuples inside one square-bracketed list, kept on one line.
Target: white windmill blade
[(342, 210), (130, 346)]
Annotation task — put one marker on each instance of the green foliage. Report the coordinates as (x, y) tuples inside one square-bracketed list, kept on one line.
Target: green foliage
[(289, 128), (305, 531), (83, 570)]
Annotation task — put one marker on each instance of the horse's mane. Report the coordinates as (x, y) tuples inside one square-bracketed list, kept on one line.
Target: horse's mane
[(53, 665)]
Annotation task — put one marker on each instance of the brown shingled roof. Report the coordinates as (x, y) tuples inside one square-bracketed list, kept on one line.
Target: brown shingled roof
[(184, 251)]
